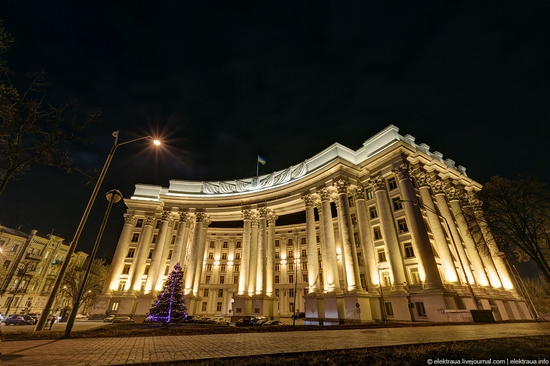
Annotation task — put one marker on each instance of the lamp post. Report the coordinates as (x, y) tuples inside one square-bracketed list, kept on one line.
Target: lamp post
[(113, 196), (48, 307), (454, 245)]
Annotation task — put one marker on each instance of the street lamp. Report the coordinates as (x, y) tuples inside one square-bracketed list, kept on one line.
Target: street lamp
[(48, 307), (113, 196), (454, 245)]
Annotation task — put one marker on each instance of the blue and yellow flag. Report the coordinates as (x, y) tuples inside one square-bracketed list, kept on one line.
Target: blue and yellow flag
[(261, 160)]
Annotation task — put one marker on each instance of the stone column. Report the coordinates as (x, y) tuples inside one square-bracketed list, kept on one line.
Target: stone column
[(419, 235), (253, 267), (491, 243), (479, 270), (323, 245), (111, 283), (311, 238), (180, 247), (438, 232), (193, 255), (139, 264), (202, 247), (156, 264), (330, 267), (262, 243), (392, 246), (245, 259), (437, 187), (348, 241), (165, 251), (269, 270), (367, 244)]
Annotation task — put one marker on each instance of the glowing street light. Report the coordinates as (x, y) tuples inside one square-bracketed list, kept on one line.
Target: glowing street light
[(65, 265)]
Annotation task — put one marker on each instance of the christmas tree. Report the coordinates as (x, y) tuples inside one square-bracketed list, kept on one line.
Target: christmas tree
[(170, 304)]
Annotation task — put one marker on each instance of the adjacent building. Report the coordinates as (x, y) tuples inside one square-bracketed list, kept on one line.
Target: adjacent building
[(391, 231), (29, 266)]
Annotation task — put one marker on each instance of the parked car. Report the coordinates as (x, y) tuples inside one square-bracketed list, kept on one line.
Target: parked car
[(200, 319), (217, 321), (35, 317), (81, 317), (272, 322), (249, 320), (19, 320), (260, 321), (239, 323), (123, 319), (109, 319)]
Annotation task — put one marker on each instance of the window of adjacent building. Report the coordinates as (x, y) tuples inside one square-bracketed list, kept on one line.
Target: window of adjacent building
[(370, 193), (235, 280), (204, 305), (212, 245), (150, 254), (376, 233), (135, 238), (131, 253), (381, 255), (205, 292), (154, 239), (218, 306), (207, 279), (146, 271), (290, 278), (415, 276), (291, 266), (289, 242), (114, 306), (139, 223), (372, 212), (277, 243), (126, 269), (389, 308), (222, 267), (291, 292), (402, 226), (276, 279), (397, 204), (225, 245), (409, 252), (220, 293), (304, 266), (420, 309), (238, 245), (210, 255), (392, 183), (238, 255), (290, 254), (277, 254), (277, 267), (304, 278), (224, 255), (170, 254), (121, 285), (208, 267), (236, 268), (303, 240)]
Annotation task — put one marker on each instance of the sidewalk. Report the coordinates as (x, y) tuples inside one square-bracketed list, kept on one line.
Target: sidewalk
[(117, 351)]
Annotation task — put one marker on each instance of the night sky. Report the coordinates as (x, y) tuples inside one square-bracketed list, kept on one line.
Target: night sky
[(223, 81)]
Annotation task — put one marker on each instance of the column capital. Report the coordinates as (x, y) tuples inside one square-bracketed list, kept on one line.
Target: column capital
[(437, 185), (454, 193), (402, 171), (421, 178), (166, 215), (377, 183), (262, 212), (247, 214), (272, 217), (309, 200), (359, 193), (200, 217), (185, 217), (129, 219), (150, 220), (325, 194), (341, 184), (475, 202)]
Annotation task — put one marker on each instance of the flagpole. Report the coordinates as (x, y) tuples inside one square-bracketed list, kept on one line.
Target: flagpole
[(257, 165)]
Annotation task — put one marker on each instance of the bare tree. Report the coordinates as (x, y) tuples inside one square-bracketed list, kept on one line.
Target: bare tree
[(32, 130), (539, 292), (94, 285), (518, 213)]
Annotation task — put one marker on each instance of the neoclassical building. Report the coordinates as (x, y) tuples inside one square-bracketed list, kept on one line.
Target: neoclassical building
[(391, 231)]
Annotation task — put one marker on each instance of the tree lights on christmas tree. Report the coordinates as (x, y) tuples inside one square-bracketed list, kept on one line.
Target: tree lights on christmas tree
[(170, 304)]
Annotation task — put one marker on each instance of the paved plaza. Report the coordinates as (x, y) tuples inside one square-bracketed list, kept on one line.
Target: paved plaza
[(128, 350)]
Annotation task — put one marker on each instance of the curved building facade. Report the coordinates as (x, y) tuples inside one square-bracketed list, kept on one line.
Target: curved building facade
[(387, 232)]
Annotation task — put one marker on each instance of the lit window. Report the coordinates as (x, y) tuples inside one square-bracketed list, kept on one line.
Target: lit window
[(290, 278), (238, 255), (224, 255), (219, 306), (222, 280), (370, 194)]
